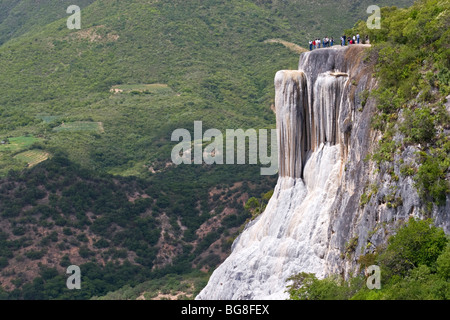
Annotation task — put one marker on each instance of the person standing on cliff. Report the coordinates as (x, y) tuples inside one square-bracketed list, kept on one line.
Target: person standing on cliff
[(345, 39), (310, 45), (331, 41), (357, 38)]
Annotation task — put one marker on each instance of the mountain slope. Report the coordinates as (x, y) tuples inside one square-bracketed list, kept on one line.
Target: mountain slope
[(67, 75), (20, 16)]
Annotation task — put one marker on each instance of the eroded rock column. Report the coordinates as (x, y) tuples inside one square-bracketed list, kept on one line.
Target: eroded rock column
[(291, 101)]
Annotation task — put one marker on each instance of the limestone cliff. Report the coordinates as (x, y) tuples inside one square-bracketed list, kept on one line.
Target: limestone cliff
[(315, 212)]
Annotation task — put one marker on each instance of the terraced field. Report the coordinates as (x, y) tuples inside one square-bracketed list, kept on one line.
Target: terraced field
[(32, 157), (154, 88), (81, 126), (18, 143)]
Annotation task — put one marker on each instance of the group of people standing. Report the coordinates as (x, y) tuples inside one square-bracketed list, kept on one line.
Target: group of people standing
[(328, 42), (350, 40), (317, 43)]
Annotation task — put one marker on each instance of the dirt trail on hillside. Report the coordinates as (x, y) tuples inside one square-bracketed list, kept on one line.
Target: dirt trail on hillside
[(291, 46)]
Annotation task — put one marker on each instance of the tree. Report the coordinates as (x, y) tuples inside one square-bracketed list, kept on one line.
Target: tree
[(419, 242), (306, 286), (443, 264)]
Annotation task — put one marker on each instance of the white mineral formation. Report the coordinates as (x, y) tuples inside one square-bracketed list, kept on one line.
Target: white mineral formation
[(324, 135)]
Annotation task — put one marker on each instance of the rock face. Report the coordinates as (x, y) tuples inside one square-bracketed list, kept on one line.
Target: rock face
[(315, 211)]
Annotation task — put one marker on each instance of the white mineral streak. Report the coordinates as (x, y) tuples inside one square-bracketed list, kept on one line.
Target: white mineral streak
[(328, 95), (291, 235)]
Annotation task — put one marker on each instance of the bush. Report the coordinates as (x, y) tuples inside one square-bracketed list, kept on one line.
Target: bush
[(419, 125), (306, 286), (419, 242), (443, 264), (431, 177), (35, 255), (3, 262)]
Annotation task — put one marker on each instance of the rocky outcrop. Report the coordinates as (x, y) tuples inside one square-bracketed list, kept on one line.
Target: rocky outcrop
[(314, 221)]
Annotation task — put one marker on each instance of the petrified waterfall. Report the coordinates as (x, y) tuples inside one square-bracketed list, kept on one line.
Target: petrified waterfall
[(291, 103), (324, 135)]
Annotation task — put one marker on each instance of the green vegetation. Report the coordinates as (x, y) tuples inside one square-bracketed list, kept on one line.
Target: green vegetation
[(414, 265), (114, 223), (20, 16), (17, 143), (155, 88), (17, 153), (32, 157), (411, 62), (431, 177), (168, 287), (418, 125), (368, 193), (80, 126), (215, 68), (306, 286), (257, 206)]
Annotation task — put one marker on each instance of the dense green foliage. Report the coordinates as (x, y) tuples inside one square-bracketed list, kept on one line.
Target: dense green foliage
[(411, 55), (113, 224), (171, 286), (20, 16), (414, 265), (212, 56), (418, 243), (257, 206)]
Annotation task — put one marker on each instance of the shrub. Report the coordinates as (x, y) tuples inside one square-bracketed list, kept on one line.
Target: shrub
[(443, 264), (431, 177), (35, 255), (3, 262), (419, 125), (306, 286), (419, 242)]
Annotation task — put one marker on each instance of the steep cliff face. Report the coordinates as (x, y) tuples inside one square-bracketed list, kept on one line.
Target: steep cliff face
[(315, 211)]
